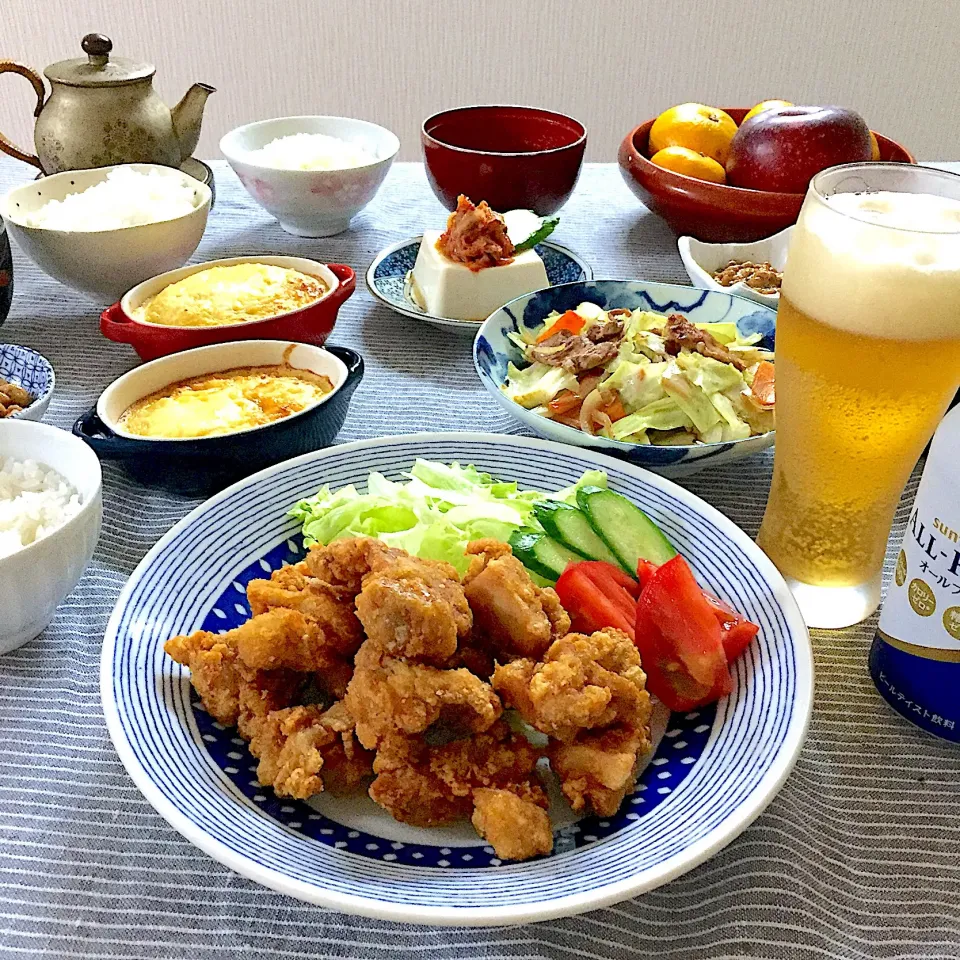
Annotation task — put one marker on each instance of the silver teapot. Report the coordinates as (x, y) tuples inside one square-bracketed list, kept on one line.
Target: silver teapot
[(104, 110)]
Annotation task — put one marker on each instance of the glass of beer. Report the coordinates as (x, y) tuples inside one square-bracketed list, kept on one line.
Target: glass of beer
[(867, 360)]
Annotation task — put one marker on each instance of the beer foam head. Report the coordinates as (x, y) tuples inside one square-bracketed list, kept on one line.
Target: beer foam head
[(879, 264)]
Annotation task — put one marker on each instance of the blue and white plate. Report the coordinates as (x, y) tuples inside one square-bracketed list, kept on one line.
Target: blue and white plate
[(713, 770), (28, 369), (387, 279), (493, 350)]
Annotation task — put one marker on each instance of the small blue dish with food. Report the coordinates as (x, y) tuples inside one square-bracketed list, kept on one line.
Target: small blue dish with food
[(671, 378), (196, 421), (26, 383)]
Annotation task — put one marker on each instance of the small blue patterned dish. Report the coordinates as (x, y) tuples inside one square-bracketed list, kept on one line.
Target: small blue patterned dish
[(27, 369), (712, 771), (492, 351), (387, 279)]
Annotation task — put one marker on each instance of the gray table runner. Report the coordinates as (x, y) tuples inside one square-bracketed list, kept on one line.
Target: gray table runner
[(858, 857)]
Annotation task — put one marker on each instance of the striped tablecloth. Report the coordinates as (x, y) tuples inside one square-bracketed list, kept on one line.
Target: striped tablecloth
[(858, 857)]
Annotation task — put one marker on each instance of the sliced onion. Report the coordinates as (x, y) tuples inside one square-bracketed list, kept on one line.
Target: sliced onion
[(590, 410)]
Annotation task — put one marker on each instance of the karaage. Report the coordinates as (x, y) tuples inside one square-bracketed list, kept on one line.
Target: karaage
[(431, 785), (212, 659), (414, 608), (344, 563), (415, 663), (582, 682), (331, 614), (264, 691), (518, 618), (390, 695), (598, 769), (589, 695), (515, 827), (304, 750)]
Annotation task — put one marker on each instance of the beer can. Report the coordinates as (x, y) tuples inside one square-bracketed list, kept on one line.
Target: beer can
[(915, 657)]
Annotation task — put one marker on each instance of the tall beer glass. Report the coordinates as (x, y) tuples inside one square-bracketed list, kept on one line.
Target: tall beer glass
[(867, 359)]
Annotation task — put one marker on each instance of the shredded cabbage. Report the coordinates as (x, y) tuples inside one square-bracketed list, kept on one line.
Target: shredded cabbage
[(537, 384), (434, 513)]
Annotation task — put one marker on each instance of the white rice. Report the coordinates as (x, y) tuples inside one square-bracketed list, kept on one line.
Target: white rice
[(311, 151), (126, 198), (34, 501)]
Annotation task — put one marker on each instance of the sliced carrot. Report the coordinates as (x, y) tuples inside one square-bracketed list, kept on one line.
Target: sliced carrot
[(614, 409), (571, 320), (762, 387), (564, 402)]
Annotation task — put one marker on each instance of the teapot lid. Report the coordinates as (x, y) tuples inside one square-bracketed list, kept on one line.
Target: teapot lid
[(98, 69)]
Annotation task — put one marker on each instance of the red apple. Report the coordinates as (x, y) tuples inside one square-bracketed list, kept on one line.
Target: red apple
[(781, 149)]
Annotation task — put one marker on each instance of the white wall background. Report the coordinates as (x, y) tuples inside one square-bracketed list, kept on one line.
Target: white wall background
[(610, 63)]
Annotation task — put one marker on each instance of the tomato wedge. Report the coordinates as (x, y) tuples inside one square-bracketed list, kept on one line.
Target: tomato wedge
[(736, 631), (571, 321), (645, 572), (598, 595), (680, 640)]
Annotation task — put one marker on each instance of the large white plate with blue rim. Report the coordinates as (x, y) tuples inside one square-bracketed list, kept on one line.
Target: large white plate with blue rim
[(493, 351), (388, 280), (713, 770)]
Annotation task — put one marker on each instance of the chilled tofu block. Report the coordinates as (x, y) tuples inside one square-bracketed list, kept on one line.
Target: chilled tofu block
[(448, 289)]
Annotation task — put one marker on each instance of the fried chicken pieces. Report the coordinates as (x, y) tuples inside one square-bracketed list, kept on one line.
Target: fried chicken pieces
[(299, 642), (363, 663), (588, 694)]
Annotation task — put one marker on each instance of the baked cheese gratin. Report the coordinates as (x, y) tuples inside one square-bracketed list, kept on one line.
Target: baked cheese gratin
[(238, 293), (224, 402)]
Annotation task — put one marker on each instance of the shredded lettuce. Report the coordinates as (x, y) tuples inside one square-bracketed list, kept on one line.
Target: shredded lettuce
[(433, 513)]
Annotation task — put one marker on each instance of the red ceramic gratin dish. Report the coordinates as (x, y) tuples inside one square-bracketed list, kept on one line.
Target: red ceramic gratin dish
[(511, 156), (310, 324), (716, 212)]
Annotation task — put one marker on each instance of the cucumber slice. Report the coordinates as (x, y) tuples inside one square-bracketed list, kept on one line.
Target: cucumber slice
[(571, 527), (525, 229), (542, 554), (625, 528)]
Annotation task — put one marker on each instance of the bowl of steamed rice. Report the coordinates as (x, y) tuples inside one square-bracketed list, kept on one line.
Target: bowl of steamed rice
[(101, 231), (312, 173), (50, 513)]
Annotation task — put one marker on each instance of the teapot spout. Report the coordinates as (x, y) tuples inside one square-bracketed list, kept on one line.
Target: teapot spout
[(187, 115)]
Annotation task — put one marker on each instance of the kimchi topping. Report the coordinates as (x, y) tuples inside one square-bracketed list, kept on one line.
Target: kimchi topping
[(476, 236)]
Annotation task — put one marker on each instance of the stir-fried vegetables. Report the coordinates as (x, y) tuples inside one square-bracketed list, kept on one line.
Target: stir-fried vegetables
[(642, 377)]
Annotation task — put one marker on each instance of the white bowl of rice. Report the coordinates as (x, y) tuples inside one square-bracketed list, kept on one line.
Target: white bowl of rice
[(50, 513), (314, 174), (105, 230)]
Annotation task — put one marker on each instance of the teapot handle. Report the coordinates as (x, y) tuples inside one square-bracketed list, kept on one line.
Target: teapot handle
[(8, 66)]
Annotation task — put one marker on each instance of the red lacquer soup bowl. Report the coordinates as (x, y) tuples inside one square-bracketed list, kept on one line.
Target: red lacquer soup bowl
[(310, 324), (716, 212), (512, 157)]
